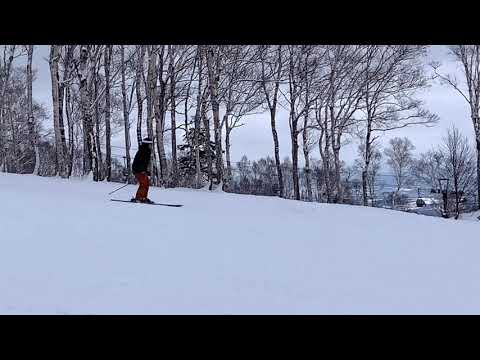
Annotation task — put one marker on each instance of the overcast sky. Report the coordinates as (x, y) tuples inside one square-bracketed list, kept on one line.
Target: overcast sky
[(255, 138)]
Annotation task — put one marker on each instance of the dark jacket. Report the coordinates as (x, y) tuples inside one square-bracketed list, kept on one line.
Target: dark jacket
[(142, 159)]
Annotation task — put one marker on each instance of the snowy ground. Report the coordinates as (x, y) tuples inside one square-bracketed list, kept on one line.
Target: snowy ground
[(472, 216), (66, 249)]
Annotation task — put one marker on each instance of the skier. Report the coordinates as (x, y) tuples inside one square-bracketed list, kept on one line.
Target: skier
[(140, 166)]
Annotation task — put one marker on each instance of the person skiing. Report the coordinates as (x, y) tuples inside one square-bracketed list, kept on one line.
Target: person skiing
[(140, 166)]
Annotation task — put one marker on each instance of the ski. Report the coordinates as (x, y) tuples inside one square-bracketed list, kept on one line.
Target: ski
[(132, 202)]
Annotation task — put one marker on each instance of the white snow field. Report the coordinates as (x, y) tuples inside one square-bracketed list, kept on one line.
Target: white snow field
[(472, 216), (66, 249)]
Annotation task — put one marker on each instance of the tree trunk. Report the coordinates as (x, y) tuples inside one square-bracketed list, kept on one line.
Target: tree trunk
[(70, 130), (371, 188), (187, 97), (294, 140), (138, 84), (322, 174), (227, 151), (14, 159), (92, 139), (273, 109), (160, 126), (151, 87), (367, 157), (61, 95), (208, 150), (457, 197), (31, 120), (305, 140), (173, 122), (54, 58), (160, 111), (335, 143), (293, 126), (276, 146), (478, 172), (108, 136), (336, 159), (6, 69), (326, 159), (365, 185), (198, 117), (89, 160), (338, 185), (100, 172), (67, 73), (126, 120), (308, 175), (213, 75), (296, 185)]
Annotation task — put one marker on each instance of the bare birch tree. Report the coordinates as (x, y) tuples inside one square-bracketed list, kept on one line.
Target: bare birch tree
[(373, 170), (151, 87), (400, 159), (31, 119), (343, 100), (427, 168), (86, 82), (126, 119), (338, 98), (198, 115), (272, 60), (391, 76), (173, 108), (214, 65), (459, 165), (107, 58), (469, 57), (160, 111), (68, 67), (60, 145), (239, 93), (8, 57), (139, 81), (302, 93)]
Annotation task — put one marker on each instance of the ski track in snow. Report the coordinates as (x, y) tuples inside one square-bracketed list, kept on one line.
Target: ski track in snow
[(65, 248)]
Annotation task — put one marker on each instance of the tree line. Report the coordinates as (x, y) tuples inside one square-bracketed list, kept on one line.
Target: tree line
[(453, 158), (190, 98)]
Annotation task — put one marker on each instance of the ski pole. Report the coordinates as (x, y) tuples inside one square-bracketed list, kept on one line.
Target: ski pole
[(126, 173), (110, 193)]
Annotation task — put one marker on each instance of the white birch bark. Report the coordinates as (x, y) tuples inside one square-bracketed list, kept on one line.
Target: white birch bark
[(31, 119), (54, 59)]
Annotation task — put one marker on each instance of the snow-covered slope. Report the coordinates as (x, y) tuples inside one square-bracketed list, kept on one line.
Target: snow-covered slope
[(65, 248), (472, 216)]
